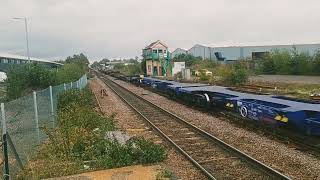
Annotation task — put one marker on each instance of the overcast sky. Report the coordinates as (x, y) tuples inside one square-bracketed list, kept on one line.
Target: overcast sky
[(121, 28)]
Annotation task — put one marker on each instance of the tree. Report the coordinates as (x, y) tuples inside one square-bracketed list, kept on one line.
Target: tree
[(316, 64), (25, 78), (268, 65), (95, 65), (78, 59), (103, 61), (233, 74), (188, 58), (69, 72)]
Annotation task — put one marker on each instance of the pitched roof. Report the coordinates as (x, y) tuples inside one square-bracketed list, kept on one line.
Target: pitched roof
[(155, 43), (12, 56)]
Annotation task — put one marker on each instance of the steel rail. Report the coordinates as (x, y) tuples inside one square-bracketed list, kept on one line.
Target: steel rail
[(253, 162)]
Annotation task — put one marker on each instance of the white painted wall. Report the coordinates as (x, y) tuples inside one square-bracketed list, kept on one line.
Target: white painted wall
[(177, 67)]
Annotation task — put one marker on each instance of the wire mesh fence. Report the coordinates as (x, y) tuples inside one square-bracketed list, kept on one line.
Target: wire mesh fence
[(25, 117)]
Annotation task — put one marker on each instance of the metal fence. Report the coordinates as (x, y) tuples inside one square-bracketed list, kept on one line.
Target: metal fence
[(22, 120)]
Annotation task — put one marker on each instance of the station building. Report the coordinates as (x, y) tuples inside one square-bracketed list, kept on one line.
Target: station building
[(157, 59), (233, 53)]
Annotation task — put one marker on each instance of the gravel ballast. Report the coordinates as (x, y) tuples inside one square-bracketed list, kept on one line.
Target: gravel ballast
[(127, 120), (279, 156)]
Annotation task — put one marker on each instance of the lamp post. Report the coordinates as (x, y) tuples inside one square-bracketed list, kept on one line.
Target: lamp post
[(27, 37)]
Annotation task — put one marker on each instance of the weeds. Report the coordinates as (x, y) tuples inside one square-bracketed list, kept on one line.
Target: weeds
[(164, 174), (80, 138)]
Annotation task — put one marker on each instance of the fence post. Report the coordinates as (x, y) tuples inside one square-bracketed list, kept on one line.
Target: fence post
[(51, 103), (36, 118), (85, 79), (77, 84), (71, 84), (64, 86), (5, 144)]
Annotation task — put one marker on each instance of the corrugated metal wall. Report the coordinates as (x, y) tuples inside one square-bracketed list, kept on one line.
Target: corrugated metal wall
[(236, 53)]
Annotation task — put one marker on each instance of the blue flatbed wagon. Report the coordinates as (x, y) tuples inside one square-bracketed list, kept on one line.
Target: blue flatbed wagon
[(278, 110), (266, 109)]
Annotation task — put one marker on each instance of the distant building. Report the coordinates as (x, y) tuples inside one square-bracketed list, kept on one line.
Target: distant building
[(178, 51), (233, 53), (157, 59), (8, 60)]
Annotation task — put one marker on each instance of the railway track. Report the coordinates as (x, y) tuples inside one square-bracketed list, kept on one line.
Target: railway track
[(215, 158), (300, 141)]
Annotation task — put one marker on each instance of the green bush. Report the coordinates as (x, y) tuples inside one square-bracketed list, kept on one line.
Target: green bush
[(80, 136), (70, 73), (233, 74), (203, 76), (80, 97), (148, 152), (188, 58), (130, 69), (112, 154), (290, 63), (83, 117), (22, 79)]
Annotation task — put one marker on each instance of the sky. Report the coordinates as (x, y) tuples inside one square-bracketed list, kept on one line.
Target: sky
[(122, 28)]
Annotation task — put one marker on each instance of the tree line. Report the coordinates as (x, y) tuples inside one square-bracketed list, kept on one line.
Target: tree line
[(291, 62)]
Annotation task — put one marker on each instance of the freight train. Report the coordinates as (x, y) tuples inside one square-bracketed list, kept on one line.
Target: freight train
[(275, 111)]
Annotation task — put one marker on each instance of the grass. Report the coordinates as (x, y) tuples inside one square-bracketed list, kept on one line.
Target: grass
[(302, 91), (164, 174), (78, 144)]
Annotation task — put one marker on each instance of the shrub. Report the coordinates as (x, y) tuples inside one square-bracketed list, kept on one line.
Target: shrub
[(80, 137), (148, 152), (290, 62), (22, 79), (112, 154), (203, 76), (70, 73), (80, 97), (233, 74), (84, 117)]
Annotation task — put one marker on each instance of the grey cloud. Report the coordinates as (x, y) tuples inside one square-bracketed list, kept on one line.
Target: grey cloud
[(121, 28)]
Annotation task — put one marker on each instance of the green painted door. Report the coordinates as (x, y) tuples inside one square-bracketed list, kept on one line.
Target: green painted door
[(155, 71)]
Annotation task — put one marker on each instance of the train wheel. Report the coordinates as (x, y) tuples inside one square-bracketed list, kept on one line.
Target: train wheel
[(243, 111)]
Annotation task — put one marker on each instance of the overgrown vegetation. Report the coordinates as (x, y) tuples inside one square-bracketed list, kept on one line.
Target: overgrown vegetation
[(233, 74), (125, 66), (290, 63), (79, 144), (188, 58), (22, 79), (230, 74), (133, 68)]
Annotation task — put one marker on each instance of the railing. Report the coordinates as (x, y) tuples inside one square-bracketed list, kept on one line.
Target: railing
[(22, 120)]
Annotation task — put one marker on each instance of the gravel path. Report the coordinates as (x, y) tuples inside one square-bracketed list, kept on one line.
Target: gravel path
[(127, 120), (292, 162), (287, 79)]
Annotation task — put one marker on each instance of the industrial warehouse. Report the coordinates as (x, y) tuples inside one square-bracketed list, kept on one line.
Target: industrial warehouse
[(234, 53)]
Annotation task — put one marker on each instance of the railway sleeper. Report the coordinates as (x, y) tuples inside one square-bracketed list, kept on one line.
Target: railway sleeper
[(215, 159)]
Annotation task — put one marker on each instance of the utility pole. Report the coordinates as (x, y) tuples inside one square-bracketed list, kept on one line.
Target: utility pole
[(27, 36)]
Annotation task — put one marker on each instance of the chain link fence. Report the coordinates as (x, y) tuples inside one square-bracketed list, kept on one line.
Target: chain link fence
[(22, 120)]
